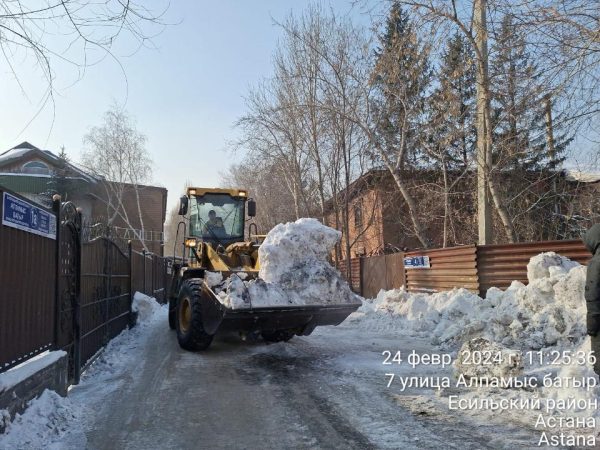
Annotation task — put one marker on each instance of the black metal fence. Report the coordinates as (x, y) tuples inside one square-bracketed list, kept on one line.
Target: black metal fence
[(60, 293), (150, 274)]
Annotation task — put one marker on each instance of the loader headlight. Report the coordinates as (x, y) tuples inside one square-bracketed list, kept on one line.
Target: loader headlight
[(191, 242)]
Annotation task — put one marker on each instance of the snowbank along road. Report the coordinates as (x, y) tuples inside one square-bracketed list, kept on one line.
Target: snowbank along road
[(328, 390)]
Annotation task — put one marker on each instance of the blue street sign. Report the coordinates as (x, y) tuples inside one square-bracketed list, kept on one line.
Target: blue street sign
[(20, 214), (417, 262)]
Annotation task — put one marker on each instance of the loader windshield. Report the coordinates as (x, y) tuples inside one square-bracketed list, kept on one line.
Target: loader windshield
[(217, 218)]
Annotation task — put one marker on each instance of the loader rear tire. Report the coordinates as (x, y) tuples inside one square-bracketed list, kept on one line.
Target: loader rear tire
[(277, 335), (190, 330)]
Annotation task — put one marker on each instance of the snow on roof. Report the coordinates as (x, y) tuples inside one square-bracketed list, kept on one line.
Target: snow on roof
[(14, 153), (582, 176), (25, 147)]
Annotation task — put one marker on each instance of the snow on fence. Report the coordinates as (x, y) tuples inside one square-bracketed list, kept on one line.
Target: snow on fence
[(474, 267)]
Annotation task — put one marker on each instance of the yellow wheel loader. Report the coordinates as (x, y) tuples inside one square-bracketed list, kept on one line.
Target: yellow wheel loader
[(215, 242)]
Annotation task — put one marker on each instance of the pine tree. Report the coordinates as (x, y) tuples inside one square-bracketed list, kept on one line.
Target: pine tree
[(520, 107), (401, 77), (61, 183), (452, 105)]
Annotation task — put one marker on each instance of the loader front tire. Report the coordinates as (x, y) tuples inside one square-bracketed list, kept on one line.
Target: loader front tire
[(277, 335), (190, 330)]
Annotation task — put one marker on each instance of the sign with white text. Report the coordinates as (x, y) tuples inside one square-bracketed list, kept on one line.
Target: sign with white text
[(20, 214), (416, 262)]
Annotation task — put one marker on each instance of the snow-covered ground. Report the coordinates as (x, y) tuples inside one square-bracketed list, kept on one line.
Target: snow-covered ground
[(534, 334), (55, 422), (352, 386)]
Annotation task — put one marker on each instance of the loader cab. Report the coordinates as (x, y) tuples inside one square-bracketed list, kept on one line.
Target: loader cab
[(217, 217)]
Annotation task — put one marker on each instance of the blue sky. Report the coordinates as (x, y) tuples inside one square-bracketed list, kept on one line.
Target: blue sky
[(185, 94)]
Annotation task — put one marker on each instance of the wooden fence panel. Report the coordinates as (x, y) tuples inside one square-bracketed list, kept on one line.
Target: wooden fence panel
[(395, 274), (374, 275), (382, 272)]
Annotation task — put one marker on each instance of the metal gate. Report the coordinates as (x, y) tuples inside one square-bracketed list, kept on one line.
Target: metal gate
[(68, 285)]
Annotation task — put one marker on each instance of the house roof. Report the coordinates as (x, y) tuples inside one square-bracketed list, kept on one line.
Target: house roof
[(25, 149), (369, 180), (581, 176), (35, 184)]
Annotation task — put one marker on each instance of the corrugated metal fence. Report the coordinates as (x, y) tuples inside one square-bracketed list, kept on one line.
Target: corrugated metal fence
[(450, 267), (499, 265), (473, 267)]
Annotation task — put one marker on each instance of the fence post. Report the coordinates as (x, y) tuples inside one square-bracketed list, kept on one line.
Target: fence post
[(165, 279), (130, 253), (56, 209), (144, 285), (77, 307), (153, 289), (107, 270), (360, 280)]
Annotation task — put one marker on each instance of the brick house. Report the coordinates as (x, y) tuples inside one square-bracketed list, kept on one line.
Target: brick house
[(373, 207), (39, 174), (379, 221)]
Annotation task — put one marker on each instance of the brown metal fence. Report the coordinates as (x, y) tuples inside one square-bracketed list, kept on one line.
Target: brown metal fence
[(61, 294), (499, 265), (473, 267), (450, 268), (27, 294), (150, 274), (105, 295)]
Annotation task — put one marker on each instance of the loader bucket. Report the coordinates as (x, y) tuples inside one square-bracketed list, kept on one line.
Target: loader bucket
[(302, 318)]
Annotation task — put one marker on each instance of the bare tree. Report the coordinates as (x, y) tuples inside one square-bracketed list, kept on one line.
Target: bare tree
[(116, 154), (79, 33)]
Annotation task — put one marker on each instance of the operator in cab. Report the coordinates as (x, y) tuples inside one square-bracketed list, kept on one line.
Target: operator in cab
[(214, 224)]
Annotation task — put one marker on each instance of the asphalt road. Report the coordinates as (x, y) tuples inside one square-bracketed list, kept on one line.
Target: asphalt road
[(325, 391)]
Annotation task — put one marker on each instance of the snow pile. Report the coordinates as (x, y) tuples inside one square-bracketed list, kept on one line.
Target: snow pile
[(294, 270), (54, 422), (550, 310), (548, 264), (213, 278), (147, 308), (19, 373), (444, 316), (545, 317), (295, 244), (482, 358), (43, 424)]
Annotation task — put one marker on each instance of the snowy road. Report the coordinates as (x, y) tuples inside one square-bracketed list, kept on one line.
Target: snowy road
[(323, 391)]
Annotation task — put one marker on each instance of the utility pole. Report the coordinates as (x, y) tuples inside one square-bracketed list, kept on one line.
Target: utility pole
[(484, 146)]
